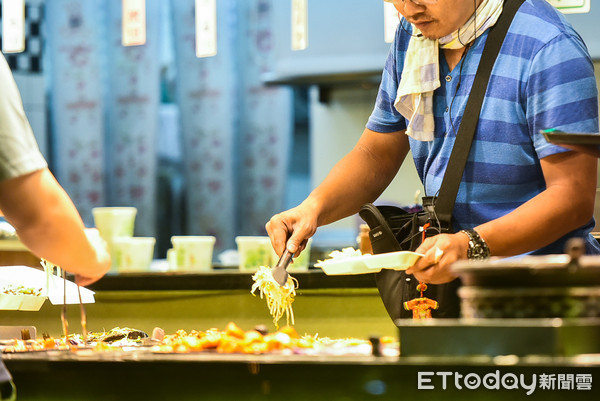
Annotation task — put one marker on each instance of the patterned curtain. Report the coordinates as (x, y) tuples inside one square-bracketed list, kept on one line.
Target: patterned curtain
[(76, 43), (133, 100), (235, 131), (206, 96), (266, 121)]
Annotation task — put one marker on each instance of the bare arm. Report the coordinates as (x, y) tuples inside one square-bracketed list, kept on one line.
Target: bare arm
[(359, 177), (566, 204), (48, 223)]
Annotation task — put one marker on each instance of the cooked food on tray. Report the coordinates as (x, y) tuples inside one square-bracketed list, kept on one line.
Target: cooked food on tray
[(232, 339), (21, 290), (345, 253), (117, 337)]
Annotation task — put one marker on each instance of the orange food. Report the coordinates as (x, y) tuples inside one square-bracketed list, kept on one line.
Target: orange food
[(181, 348), (387, 340), (253, 336), (229, 345), (255, 348), (234, 330), (49, 343), (210, 341), (290, 331)]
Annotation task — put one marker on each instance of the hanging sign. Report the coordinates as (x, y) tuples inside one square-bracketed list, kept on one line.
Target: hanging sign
[(134, 22), (206, 28), (13, 26), (571, 6), (299, 24)]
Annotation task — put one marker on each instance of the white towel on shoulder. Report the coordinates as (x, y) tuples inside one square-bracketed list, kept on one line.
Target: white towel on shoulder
[(421, 74)]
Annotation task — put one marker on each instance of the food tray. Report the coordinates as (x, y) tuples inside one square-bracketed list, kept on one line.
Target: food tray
[(367, 263), (21, 302), (52, 288)]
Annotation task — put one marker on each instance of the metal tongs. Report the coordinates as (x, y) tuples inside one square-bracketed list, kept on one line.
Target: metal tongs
[(279, 272), (63, 314)]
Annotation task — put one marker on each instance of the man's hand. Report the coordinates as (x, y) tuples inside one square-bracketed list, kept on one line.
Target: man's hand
[(292, 229), (102, 262), (440, 252)]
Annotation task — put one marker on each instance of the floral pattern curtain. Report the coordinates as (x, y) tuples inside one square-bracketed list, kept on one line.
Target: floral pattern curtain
[(75, 44), (235, 131), (206, 96), (266, 120), (133, 100)]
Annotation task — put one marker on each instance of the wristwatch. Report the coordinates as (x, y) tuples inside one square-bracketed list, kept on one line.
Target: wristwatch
[(478, 248)]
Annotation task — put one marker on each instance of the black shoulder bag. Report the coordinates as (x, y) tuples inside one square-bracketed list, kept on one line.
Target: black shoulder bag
[(393, 229)]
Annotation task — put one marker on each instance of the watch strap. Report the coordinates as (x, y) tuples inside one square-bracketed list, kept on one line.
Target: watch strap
[(478, 248)]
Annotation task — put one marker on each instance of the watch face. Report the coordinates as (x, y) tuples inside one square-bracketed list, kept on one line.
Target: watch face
[(477, 247), (478, 252)]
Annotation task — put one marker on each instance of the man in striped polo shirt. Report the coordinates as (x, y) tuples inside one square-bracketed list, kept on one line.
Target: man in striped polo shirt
[(519, 194)]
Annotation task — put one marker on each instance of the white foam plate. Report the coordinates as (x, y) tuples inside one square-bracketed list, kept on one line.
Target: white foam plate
[(364, 264), (52, 288)]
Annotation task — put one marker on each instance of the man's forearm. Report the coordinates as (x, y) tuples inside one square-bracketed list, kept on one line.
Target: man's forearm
[(47, 222)]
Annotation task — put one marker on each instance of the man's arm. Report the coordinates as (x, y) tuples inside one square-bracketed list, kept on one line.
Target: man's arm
[(567, 203), (359, 177), (48, 223)]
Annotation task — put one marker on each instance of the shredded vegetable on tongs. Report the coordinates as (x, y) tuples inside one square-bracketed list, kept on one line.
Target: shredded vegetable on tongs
[(279, 298)]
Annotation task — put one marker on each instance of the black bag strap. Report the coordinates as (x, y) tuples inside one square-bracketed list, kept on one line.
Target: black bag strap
[(444, 204)]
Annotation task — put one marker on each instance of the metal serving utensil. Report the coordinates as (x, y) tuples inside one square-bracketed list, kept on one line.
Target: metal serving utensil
[(63, 311), (279, 272), (83, 317), (63, 314)]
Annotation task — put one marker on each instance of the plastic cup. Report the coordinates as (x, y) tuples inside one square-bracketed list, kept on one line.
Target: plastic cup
[(114, 222), (191, 253), (133, 254), (172, 259), (254, 251)]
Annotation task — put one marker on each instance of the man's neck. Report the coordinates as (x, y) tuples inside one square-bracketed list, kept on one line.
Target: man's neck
[(453, 56)]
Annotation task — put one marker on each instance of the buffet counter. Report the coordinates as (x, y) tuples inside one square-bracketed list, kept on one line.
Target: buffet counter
[(545, 359), (330, 306), (210, 376), (222, 278)]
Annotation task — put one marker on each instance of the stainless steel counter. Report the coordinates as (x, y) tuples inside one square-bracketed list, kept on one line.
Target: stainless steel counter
[(209, 376)]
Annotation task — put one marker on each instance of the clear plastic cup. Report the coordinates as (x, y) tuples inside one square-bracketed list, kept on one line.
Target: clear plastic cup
[(191, 253), (133, 254), (113, 222), (254, 251)]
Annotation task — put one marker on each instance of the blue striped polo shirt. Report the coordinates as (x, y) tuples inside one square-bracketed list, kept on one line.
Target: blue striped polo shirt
[(543, 78)]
